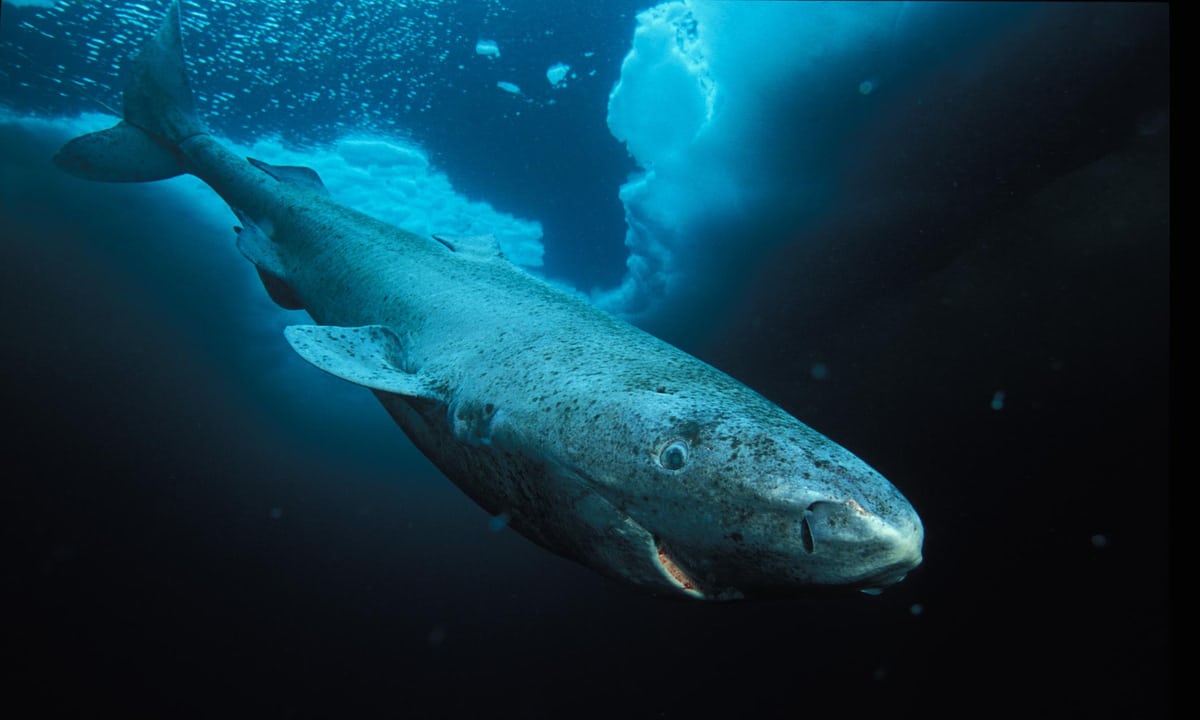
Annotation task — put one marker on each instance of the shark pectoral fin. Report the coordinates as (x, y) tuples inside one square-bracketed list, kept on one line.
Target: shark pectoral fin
[(292, 174), (122, 153), (371, 355), (481, 246), (255, 246)]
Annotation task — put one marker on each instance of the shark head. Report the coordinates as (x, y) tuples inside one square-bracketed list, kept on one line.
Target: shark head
[(717, 493)]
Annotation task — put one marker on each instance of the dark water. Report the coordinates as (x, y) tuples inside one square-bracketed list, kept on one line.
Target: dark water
[(198, 524)]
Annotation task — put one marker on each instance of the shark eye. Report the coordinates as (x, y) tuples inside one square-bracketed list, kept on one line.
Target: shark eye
[(673, 455)]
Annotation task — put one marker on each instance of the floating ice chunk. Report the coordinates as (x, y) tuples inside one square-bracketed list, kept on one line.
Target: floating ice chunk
[(487, 48), (556, 72), (508, 87)]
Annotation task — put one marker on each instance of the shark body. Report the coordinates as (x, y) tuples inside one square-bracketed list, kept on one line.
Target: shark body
[(596, 440)]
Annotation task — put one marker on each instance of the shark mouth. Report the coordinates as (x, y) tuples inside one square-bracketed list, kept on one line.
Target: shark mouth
[(677, 575)]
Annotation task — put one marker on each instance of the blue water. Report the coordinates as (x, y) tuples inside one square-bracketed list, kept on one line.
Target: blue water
[(882, 217), (313, 72)]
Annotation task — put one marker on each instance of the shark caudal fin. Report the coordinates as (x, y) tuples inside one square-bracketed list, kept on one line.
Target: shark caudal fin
[(158, 115)]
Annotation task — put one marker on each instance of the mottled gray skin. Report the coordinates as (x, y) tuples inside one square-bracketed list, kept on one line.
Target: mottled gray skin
[(596, 440)]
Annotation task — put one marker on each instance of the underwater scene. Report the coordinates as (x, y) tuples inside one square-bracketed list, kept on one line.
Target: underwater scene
[(567, 358)]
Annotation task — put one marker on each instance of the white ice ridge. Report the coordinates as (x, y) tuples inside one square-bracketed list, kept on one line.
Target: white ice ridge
[(395, 182)]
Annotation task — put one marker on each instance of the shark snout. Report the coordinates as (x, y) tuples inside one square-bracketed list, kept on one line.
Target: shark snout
[(867, 549)]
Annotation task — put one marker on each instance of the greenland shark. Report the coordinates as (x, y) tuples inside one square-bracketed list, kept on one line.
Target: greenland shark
[(594, 439)]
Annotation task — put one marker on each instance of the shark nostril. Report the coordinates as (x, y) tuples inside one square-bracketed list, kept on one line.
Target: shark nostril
[(806, 536), (824, 514)]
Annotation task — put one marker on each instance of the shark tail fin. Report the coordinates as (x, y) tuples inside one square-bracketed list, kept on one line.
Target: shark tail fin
[(158, 115)]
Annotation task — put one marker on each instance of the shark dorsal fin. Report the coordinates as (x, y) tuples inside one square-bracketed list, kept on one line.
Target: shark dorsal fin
[(480, 246), (370, 355), (292, 174)]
